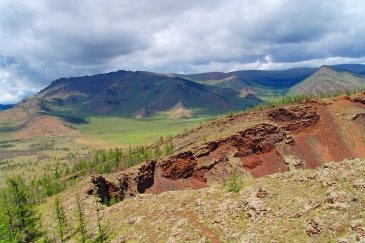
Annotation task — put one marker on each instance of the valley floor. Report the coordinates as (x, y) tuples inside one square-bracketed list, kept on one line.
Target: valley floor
[(109, 131)]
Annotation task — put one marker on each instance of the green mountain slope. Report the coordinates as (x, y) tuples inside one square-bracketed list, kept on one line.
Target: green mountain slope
[(328, 80), (125, 93), (269, 84), (263, 83)]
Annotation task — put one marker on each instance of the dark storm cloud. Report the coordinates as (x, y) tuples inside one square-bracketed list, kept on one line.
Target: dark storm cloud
[(42, 40)]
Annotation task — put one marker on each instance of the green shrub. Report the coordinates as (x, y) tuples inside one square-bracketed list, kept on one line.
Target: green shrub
[(113, 200), (234, 183)]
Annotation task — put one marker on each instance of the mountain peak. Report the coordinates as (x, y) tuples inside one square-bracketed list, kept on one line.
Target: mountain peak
[(325, 68), (327, 80)]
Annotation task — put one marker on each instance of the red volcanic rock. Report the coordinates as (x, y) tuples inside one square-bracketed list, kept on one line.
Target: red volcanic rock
[(180, 166), (295, 118), (260, 138), (252, 162), (103, 188), (359, 100)]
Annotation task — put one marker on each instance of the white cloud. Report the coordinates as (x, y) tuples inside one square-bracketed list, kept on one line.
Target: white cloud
[(63, 38), (14, 88)]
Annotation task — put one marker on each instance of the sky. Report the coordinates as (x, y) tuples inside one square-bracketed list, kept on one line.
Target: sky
[(42, 40)]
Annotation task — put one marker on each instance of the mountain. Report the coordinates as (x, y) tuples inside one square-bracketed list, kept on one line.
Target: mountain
[(266, 78), (327, 80), (5, 107), (139, 94), (264, 83), (275, 78), (268, 84), (355, 68)]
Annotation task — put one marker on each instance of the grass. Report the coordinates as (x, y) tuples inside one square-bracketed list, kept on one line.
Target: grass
[(31, 158), (130, 131)]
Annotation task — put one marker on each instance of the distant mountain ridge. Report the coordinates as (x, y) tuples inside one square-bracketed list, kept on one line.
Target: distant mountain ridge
[(142, 94), (327, 80), (269, 83), (5, 107), (274, 83), (71, 101), (135, 94)]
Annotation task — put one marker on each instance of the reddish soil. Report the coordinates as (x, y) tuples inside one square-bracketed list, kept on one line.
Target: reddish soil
[(303, 135), (43, 125)]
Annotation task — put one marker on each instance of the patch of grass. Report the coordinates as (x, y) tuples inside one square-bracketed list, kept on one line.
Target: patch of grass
[(234, 183), (129, 131)]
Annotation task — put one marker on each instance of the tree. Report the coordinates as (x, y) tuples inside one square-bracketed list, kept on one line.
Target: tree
[(102, 235), (18, 217), (6, 220), (60, 220), (169, 149), (80, 215)]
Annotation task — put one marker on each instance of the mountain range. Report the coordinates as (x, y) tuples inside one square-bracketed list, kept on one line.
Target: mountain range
[(268, 84), (143, 94), (137, 94)]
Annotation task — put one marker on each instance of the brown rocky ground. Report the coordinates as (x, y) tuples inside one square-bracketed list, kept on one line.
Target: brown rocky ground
[(311, 205)]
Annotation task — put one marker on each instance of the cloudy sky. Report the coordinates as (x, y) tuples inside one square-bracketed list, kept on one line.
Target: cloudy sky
[(42, 40)]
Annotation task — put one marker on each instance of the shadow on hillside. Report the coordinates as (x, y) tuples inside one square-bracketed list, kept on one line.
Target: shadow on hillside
[(78, 120), (4, 129)]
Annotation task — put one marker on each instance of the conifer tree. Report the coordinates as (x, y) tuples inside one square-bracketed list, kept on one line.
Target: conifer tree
[(18, 217), (80, 216), (102, 235), (60, 220)]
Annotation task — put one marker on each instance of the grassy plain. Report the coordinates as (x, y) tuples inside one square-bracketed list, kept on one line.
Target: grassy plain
[(129, 131), (34, 157)]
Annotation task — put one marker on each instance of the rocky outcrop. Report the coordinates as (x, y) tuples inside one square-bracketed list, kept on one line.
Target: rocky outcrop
[(360, 100), (127, 184), (178, 167), (295, 118), (104, 189)]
